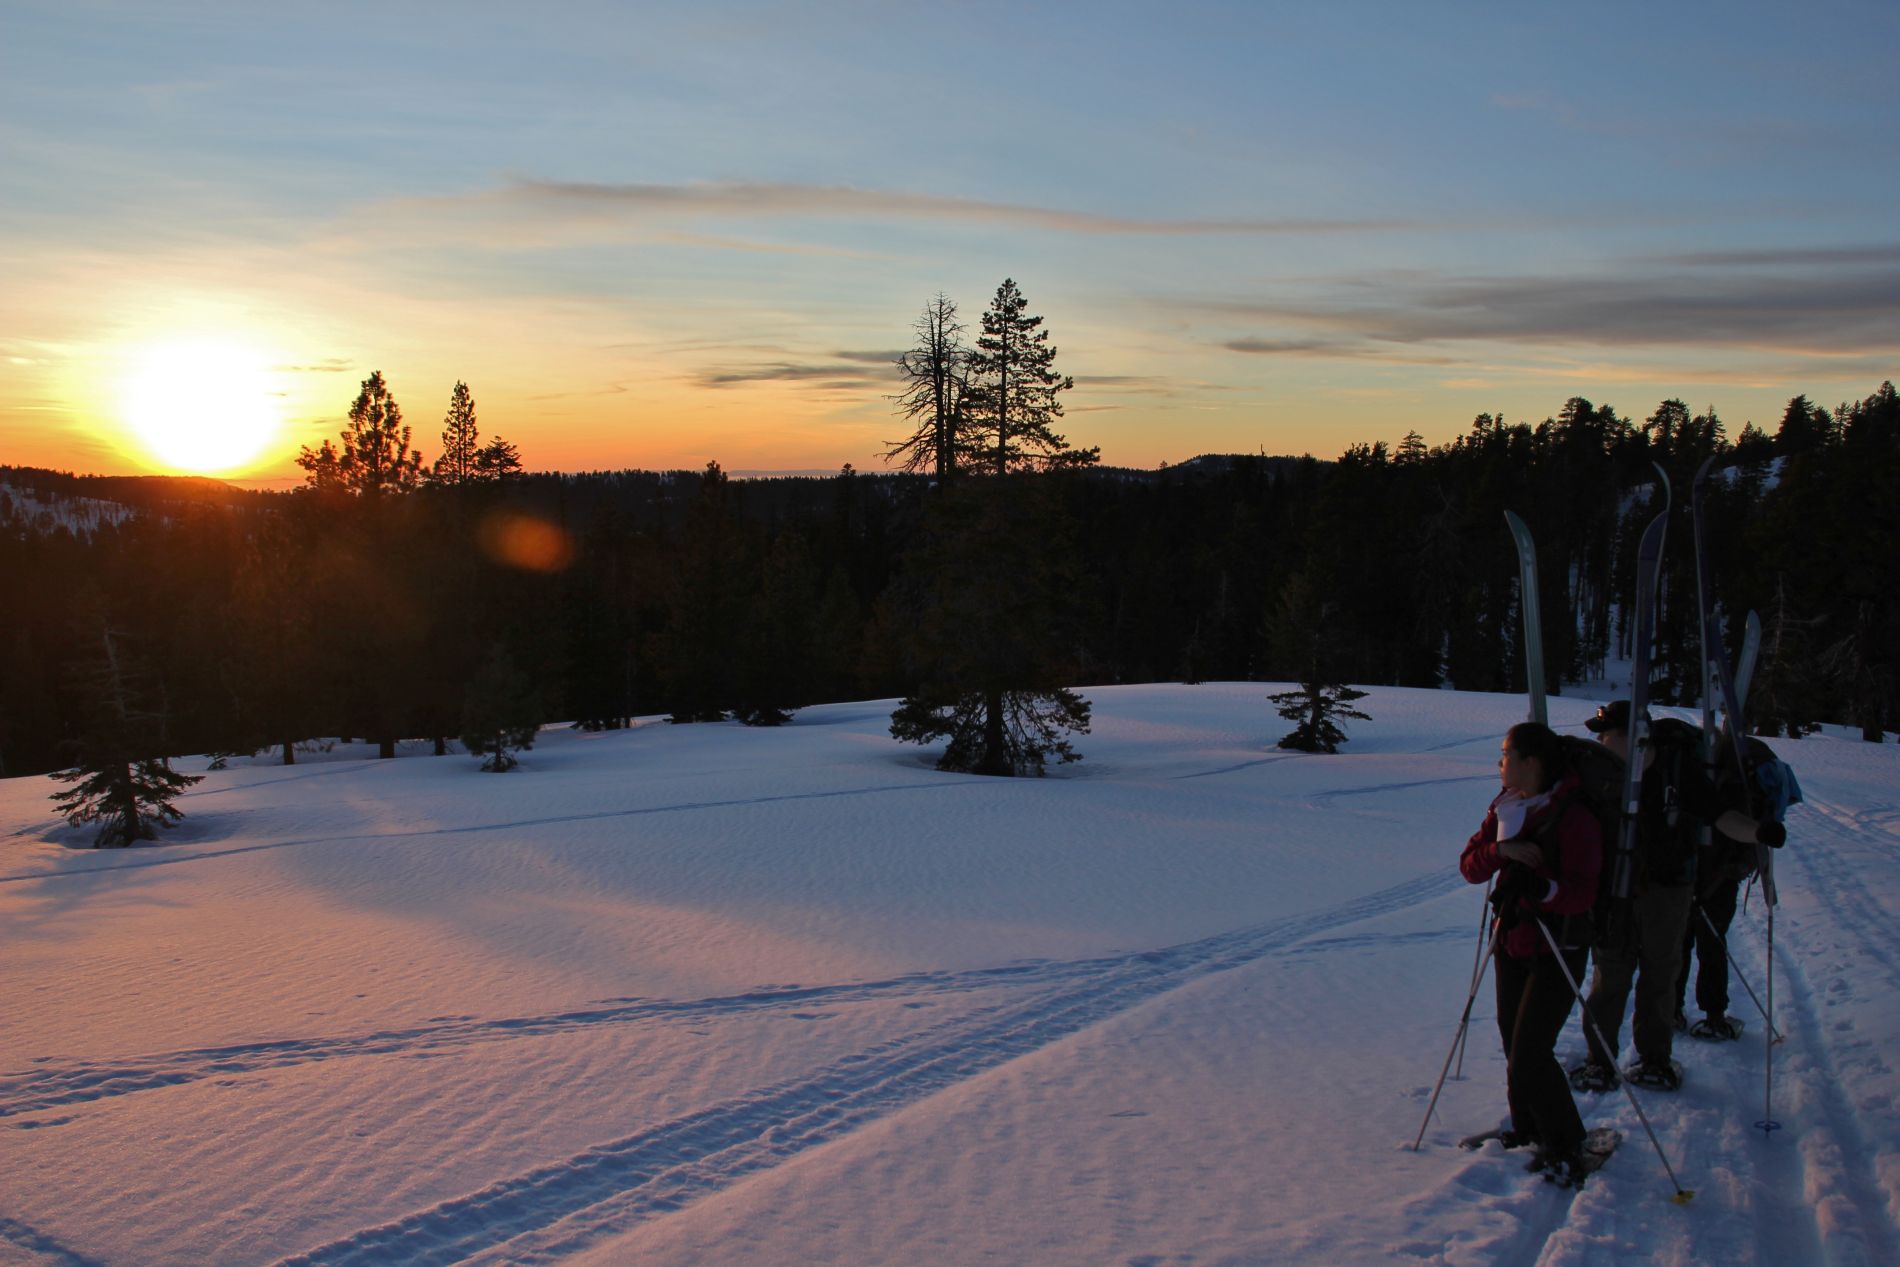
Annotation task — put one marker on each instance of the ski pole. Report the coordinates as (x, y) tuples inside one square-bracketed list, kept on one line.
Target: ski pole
[(1477, 966), (1736, 968), (1683, 1195), (1464, 1020), (1768, 1126)]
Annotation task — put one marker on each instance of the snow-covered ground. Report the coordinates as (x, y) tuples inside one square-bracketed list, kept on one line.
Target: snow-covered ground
[(715, 995)]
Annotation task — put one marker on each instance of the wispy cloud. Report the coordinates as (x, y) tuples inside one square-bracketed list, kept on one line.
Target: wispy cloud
[(611, 389), (1878, 254), (331, 366), (580, 204), (1844, 301), (1347, 349), (850, 376)]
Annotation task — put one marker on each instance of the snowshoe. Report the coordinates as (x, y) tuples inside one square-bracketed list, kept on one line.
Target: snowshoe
[(1569, 1170), (1591, 1076), (1656, 1075), (1716, 1029)]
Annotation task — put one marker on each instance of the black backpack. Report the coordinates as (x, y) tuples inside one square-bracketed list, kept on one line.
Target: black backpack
[(1669, 853), (1600, 791), (1600, 775)]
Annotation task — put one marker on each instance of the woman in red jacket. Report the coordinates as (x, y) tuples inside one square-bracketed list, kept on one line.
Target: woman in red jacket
[(1550, 850)]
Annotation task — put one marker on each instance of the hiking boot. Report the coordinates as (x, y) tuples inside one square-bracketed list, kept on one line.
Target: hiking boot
[(1681, 1022), (1591, 1076), (1716, 1029), (1656, 1075)]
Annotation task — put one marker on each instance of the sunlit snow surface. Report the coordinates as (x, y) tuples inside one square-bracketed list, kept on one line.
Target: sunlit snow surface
[(706, 994)]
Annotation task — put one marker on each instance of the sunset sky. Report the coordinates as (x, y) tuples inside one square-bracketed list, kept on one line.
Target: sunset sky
[(653, 234)]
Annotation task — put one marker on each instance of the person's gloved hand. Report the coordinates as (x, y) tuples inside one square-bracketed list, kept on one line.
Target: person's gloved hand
[(1772, 834), (1515, 882)]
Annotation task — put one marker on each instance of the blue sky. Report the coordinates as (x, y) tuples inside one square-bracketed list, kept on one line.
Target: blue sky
[(654, 234)]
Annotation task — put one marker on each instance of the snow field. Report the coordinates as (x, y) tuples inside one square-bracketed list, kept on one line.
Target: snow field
[(709, 994)]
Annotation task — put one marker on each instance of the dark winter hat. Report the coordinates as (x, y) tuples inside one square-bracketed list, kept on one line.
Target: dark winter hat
[(1614, 715)]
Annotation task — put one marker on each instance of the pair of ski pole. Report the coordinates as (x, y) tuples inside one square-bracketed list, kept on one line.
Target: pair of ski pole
[(1682, 1195)]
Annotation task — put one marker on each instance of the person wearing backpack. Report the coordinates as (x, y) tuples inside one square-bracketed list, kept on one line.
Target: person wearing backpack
[(1722, 867), (1546, 849), (1677, 795)]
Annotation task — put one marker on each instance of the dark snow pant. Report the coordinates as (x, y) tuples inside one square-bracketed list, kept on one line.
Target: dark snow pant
[(1651, 955), (1534, 1001), (1711, 949)]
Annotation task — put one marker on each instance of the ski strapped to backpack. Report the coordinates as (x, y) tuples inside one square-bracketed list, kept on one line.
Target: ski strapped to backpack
[(1531, 620), (1717, 655), (1649, 557)]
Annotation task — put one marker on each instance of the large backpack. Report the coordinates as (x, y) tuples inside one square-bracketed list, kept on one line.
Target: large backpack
[(1668, 852), (1770, 790), (1600, 791), (1600, 775)]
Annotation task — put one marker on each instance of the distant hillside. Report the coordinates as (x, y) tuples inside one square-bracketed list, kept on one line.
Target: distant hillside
[(24, 488)]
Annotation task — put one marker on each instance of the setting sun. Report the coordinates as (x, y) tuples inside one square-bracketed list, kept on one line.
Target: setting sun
[(202, 405)]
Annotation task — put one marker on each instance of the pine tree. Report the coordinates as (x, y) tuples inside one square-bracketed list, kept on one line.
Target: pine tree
[(989, 621), (1316, 706), (935, 397), (374, 457), (123, 781), (1014, 389), (461, 436), (502, 713), (498, 460), (1301, 631)]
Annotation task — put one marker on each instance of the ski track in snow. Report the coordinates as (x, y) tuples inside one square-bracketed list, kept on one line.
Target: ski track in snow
[(555, 1209), (468, 829), (1812, 1192), (43, 1248), (84, 1081)]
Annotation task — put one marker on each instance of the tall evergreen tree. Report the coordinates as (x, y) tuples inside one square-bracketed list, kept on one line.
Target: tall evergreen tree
[(461, 440), (1014, 391), (374, 457), (1804, 426)]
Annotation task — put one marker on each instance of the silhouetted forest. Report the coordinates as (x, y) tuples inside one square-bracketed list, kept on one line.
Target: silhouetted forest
[(266, 619)]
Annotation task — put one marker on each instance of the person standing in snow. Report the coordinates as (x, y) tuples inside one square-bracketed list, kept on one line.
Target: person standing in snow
[(1722, 865), (1547, 851), (1676, 796), (1720, 869)]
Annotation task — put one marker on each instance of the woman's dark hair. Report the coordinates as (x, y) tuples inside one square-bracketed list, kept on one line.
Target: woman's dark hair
[(1539, 743)]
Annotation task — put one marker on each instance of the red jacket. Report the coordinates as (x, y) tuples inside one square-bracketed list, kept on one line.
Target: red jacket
[(1577, 845)]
